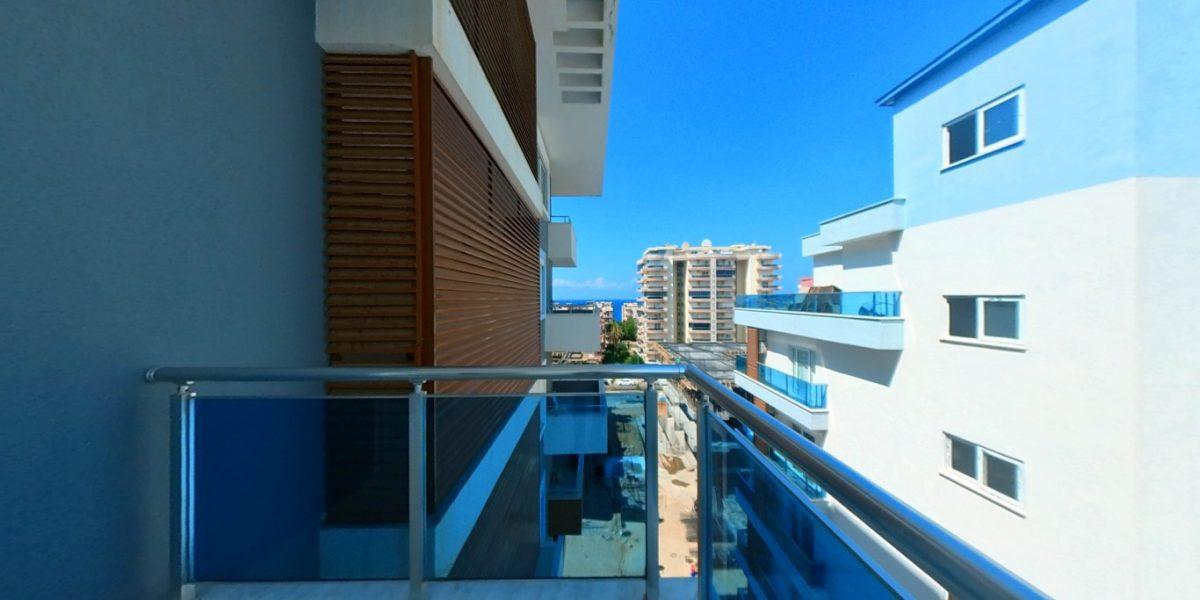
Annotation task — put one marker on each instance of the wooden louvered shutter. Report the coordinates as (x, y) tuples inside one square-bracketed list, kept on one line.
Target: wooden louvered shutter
[(377, 240)]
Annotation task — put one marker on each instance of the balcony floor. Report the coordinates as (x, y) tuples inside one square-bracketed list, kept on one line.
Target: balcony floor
[(575, 589)]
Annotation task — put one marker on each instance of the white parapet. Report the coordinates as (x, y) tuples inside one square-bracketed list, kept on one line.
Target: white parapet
[(562, 244), (575, 331)]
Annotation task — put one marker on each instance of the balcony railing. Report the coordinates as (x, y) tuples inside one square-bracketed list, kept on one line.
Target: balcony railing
[(811, 395), (863, 304), (248, 502)]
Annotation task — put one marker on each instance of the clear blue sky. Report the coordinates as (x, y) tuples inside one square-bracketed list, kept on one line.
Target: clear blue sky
[(748, 122)]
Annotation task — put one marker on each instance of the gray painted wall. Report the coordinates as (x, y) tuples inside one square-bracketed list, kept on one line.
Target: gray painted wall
[(160, 203)]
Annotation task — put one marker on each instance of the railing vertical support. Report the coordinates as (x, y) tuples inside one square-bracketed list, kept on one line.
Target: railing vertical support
[(182, 489), (704, 484), (416, 490), (651, 404)]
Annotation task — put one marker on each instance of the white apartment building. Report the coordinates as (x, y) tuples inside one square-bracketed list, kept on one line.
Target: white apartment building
[(1013, 351), (687, 292)]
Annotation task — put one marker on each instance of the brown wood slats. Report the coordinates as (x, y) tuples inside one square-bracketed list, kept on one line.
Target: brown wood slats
[(371, 304), (430, 258), (371, 202), (485, 289), (501, 35)]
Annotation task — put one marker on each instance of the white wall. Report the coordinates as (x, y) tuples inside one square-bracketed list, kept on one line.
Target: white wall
[(1068, 406), (1168, 419)]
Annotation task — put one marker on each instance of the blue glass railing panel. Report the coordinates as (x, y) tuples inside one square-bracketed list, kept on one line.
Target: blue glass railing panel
[(560, 492), (812, 395), (768, 539), (268, 508), (809, 394), (862, 304)]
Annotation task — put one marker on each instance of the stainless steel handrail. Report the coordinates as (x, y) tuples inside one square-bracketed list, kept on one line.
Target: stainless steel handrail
[(956, 565), (555, 372)]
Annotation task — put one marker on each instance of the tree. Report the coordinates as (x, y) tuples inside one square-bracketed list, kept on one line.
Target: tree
[(620, 353), (629, 330)]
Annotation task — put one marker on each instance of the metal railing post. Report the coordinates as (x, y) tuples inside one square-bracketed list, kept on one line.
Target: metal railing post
[(704, 496), (650, 398), (416, 490), (182, 488)]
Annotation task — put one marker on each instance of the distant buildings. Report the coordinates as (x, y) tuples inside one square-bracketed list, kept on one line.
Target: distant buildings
[(687, 292), (606, 314)]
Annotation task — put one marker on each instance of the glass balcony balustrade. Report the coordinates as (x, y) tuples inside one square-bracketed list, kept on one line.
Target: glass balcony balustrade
[(863, 304), (439, 475), (812, 395)]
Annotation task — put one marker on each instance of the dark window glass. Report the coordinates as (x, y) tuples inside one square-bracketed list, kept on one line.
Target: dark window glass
[(962, 457), (1000, 319), (962, 317), (1001, 476), (1000, 122), (962, 139)]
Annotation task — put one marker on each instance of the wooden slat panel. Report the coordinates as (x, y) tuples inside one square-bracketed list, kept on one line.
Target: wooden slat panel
[(371, 303), (485, 289), (501, 35), (431, 258)]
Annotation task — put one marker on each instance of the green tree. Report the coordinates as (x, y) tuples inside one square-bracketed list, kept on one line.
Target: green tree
[(629, 330), (620, 353)]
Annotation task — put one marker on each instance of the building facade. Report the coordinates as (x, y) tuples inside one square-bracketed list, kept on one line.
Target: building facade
[(1011, 331), (687, 292)]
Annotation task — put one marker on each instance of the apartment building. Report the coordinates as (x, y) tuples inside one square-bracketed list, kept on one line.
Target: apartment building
[(358, 185), (1012, 332), (687, 292)]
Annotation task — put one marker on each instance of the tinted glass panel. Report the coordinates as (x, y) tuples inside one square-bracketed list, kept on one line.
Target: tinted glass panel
[(1000, 122), (962, 316), (1000, 319), (1001, 476), (768, 539), (962, 457), (962, 139)]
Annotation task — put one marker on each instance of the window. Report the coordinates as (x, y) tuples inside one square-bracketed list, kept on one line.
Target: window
[(994, 318), (995, 125), (987, 470)]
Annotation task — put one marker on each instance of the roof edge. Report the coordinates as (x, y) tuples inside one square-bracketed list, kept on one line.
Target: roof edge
[(1001, 18)]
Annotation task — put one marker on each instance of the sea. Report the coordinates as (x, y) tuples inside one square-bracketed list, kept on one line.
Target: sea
[(616, 302)]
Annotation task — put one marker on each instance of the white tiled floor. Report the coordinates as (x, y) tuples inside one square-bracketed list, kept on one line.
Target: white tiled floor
[(606, 589)]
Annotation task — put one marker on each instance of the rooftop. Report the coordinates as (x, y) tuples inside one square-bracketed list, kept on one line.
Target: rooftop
[(1002, 19)]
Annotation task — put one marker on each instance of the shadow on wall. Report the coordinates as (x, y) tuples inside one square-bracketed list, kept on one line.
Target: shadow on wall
[(876, 366)]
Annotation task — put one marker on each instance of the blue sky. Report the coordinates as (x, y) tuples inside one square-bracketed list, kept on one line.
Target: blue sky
[(748, 122)]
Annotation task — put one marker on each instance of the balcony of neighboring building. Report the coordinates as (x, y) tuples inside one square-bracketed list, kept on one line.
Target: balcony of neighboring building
[(866, 319), (876, 219), (573, 329), (561, 245), (799, 400)]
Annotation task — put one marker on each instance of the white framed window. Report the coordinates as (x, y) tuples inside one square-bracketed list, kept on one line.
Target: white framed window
[(995, 125), (987, 318), (986, 471)]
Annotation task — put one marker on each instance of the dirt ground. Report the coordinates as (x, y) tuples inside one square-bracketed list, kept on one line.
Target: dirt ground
[(677, 532)]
